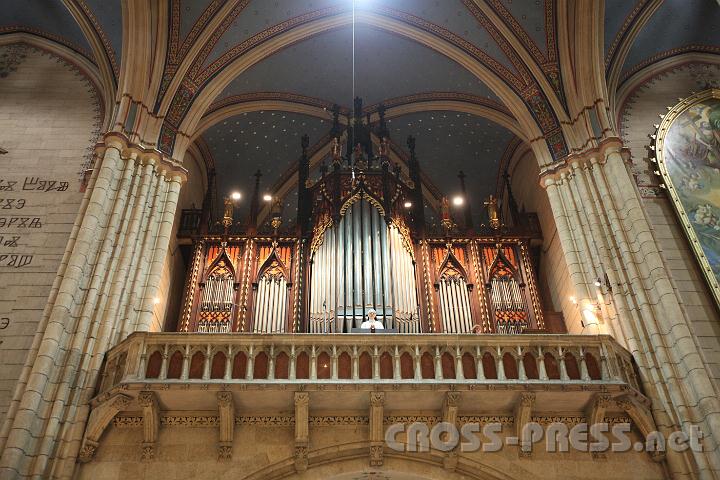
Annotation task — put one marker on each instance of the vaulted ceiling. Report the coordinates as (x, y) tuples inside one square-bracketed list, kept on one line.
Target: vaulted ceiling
[(256, 118)]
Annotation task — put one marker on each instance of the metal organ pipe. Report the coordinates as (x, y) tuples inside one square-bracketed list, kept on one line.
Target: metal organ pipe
[(468, 312), (391, 276), (455, 305), (270, 319), (271, 304), (362, 264), (381, 257), (259, 305), (284, 304)]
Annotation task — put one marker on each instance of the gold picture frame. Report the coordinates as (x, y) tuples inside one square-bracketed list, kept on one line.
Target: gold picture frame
[(689, 175)]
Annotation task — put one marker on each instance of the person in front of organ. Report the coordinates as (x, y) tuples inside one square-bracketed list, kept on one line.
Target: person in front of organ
[(372, 323)]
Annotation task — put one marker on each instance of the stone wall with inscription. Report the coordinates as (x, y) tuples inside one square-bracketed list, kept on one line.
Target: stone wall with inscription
[(49, 120)]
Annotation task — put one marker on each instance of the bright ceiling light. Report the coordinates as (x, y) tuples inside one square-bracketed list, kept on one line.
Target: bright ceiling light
[(407, 204), (267, 197), (235, 196), (458, 200)]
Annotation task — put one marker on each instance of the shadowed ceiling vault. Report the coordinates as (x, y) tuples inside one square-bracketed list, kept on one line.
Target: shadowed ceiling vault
[(542, 72)]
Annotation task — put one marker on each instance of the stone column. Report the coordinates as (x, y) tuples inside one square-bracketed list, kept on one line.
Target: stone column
[(377, 428), (302, 430), (598, 187), (50, 406), (159, 254)]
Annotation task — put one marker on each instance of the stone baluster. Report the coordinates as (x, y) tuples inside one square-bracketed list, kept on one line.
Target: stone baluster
[(271, 363), (250, 368), (418, 364), (355, 364), (334, 363), (459, 373), (542, 372), (500, 366), (563, 367), (376, 363), (479, 362), (613, 366), (142, 365), (313, 363), (522, 375), (292, 374), (185, 363), (584, 374), (229, 361), (396, 362), (207, 361), (164, 364), (438, 364)]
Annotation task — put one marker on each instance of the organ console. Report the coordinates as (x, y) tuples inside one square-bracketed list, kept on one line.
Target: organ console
[(361, 244)]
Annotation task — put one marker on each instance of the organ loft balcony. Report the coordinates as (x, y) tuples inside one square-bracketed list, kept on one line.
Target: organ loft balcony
[(360, 296)]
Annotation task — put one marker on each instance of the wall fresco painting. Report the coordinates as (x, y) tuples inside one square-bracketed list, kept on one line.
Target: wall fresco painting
[(688, 154)]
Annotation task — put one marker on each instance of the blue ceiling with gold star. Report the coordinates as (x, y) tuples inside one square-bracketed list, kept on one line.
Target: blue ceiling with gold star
[(448, 142), (265, 141), (386, 66)]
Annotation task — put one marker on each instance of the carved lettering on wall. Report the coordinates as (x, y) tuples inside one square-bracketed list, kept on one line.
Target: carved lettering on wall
[(15, 260)]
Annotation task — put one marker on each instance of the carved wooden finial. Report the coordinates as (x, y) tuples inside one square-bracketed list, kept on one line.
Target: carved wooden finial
[(411, 144)]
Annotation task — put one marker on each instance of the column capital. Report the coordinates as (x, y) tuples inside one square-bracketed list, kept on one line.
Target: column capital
[(585, 158), (170, 167)]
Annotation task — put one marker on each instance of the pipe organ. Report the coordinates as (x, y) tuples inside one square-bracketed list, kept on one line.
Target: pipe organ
[(360, 263), (360, 244)]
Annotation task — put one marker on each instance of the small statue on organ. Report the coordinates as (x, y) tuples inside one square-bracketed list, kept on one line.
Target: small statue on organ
[(492, 209), (336, 150), (445, 218), (384, 147), (228, 214)]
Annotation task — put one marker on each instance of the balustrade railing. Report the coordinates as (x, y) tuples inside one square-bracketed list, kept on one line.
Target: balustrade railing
[(228, 358)]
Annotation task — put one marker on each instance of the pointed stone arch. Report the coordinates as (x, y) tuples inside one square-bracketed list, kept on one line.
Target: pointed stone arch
[(176, 138)]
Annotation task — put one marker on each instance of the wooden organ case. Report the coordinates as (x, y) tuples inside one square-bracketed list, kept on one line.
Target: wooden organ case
[(361, 243)]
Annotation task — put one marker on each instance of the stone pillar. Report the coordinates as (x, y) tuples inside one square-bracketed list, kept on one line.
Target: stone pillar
[(449, 416), (377, 428), (226, 412), (151, 423), (162, 243), (43, 429), (596, 192), (523, 416), (302, 430)]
